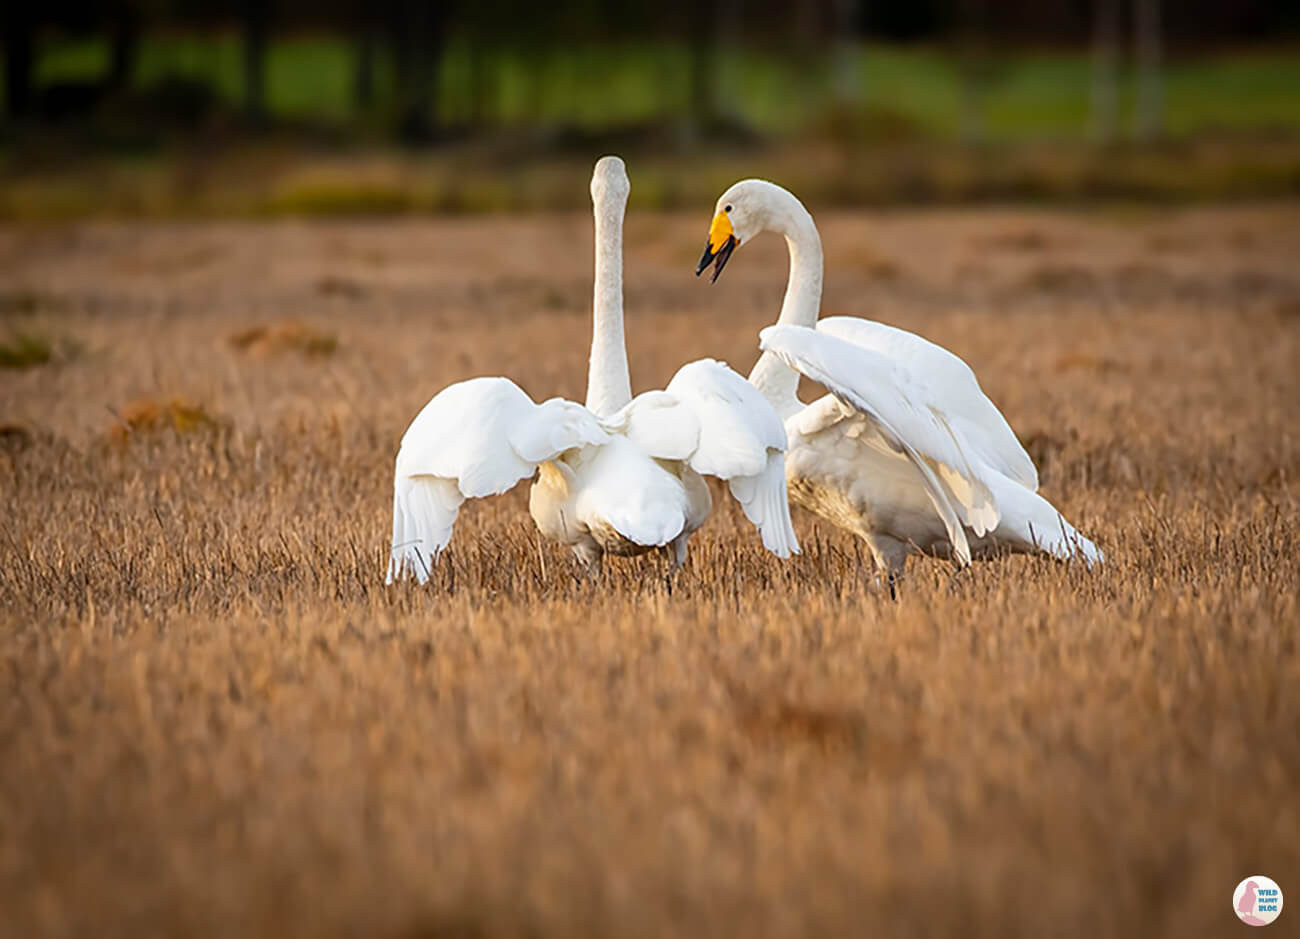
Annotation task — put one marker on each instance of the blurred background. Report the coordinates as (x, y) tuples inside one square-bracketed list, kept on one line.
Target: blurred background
[(157, 107)]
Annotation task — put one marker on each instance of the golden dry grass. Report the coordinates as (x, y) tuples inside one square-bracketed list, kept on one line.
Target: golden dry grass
[(216, 720)]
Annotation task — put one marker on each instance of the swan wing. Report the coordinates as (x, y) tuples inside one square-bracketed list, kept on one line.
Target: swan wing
[(475, 438), (830, 411), (737, 425), (955, 389), (902, 406), (662, 425), (717, 423)]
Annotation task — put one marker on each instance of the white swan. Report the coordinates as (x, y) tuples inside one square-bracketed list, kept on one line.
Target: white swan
[(622, 476), (906, 452)]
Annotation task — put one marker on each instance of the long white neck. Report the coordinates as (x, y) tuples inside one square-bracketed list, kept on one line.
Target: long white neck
[(609, 386), (803, 296)]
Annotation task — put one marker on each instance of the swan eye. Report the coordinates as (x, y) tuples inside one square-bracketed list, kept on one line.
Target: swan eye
[(726, 208)]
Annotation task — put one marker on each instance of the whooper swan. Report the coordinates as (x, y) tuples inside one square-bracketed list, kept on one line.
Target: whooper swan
[(906, 451), (620, 477)]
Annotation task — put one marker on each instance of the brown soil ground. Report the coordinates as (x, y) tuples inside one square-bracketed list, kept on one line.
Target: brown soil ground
[(216, 720)]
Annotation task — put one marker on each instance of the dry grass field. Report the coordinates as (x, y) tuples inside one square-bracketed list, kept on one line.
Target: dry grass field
[(216, 720)]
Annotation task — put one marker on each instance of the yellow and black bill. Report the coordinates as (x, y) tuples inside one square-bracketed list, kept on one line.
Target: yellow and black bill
[(722, 241)]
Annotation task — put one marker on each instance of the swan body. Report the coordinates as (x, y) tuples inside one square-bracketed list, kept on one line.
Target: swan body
[(906, 451), (619, 475), (622, 485)]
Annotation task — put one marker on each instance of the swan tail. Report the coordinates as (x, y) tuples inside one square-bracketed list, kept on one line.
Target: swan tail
[(424, 513), (1033, 524), (1068, 542)]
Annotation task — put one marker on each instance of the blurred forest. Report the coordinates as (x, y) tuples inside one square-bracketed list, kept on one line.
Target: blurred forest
[(1087, 96)]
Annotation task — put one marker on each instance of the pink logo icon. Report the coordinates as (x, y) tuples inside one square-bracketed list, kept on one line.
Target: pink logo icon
[(1257, 900)]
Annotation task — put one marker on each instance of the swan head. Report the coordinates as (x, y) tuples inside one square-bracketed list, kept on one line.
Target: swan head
[(609, 180), (746, 210)]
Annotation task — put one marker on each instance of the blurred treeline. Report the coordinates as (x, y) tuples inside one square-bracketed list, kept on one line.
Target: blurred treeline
[(422, 70), (217, 107)]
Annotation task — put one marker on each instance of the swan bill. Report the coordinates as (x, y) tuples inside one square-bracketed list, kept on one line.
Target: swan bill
[(722, 241), (718, 257)]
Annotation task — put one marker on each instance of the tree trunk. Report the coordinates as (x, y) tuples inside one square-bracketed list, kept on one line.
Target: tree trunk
[(482, 76), (972, 106), (418, 45), (845, 80), (363, 78), (20, 60), (703, 106), (1105, 69), (973, 66), (125, 44), (257, 16), (1148, 116)]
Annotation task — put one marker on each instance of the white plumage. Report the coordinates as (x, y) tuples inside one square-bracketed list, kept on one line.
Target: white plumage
[(719, 425), (621, 485), (968, 409), (907, 451), (617, 476), (475, 438)]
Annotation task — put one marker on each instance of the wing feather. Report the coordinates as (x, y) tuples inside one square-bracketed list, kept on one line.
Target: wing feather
[(475, 438), (906, 410), (660, 424), (737, 425), (720, 425), (764, 500), (983, 428)]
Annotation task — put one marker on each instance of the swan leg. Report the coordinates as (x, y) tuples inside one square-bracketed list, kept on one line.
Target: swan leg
[(890, 556), (891, 581), (677, 551), (591, 557)]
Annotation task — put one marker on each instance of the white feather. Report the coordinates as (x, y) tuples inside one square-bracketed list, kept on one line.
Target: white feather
[(967, 409), (906, 410), (475, 438), (719, 425), (625, 484), (907, 452)]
